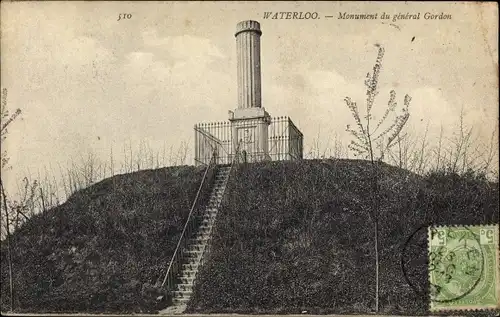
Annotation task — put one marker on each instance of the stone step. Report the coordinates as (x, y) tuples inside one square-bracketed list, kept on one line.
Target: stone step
[(186, 279), (201, 236), (191, 265), (182, 294), (211, 213), (199, 239), (211, 209), (215, 198), (205, 228), (207, 221), (192, 260), (188, 273), (185, 287), (192, 257), (180, 300), (214, 201), (195, 247), (194, 251), (208, 216), (196, 244)]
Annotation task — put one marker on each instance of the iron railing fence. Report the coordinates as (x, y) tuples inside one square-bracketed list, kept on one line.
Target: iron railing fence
[(210, 138), (284, 142)]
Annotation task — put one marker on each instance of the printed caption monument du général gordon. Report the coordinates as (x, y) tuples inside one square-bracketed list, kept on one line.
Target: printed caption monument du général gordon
[(300, 15)]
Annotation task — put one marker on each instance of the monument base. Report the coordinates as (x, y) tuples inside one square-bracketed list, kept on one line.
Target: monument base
[(248, 113), (250, 133)]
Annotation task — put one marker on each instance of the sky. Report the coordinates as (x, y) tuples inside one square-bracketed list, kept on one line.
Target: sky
[(88, 83)]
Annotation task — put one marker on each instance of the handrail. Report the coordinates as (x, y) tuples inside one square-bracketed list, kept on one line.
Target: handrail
[(176, 252), (211, 137)]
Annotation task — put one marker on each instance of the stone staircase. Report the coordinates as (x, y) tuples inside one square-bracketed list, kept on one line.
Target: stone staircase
[(193, 254)]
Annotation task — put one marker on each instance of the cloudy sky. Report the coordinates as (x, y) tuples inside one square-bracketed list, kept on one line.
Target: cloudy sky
[(87, 83)]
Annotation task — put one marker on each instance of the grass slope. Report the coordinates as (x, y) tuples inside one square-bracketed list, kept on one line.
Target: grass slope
[(294, 236), (104, 248)]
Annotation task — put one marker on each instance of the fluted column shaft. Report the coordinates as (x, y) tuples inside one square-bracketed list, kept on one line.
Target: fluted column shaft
[(248, 64)]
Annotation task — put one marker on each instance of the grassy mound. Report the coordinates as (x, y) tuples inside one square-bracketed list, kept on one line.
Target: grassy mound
[(105, 248), (291, 236), (295, 236)]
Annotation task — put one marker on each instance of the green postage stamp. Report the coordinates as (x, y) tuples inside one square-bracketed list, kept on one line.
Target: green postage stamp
[(464, 267)]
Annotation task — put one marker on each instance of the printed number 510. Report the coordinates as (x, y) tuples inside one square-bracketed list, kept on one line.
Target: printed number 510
[(124, 16)]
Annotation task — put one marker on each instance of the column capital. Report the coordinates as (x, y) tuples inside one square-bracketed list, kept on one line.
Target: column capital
[(248, 25)]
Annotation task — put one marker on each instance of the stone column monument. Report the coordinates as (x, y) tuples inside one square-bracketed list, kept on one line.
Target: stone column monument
[(250, 121), (250, 127)]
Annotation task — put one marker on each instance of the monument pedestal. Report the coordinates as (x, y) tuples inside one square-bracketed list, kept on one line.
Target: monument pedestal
[(250, 130)]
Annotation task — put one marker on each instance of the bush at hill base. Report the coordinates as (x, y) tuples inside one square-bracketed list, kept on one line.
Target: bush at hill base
[(105, 248), (297, 236)]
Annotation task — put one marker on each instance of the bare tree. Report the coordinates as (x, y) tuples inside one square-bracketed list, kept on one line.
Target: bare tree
[(459, 151), (491, 151), (6, 119), (411, 152), (464, 153), (372, 145)]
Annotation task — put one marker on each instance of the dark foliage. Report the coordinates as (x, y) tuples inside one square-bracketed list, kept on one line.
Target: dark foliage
[(295, 236), (105, 248)]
